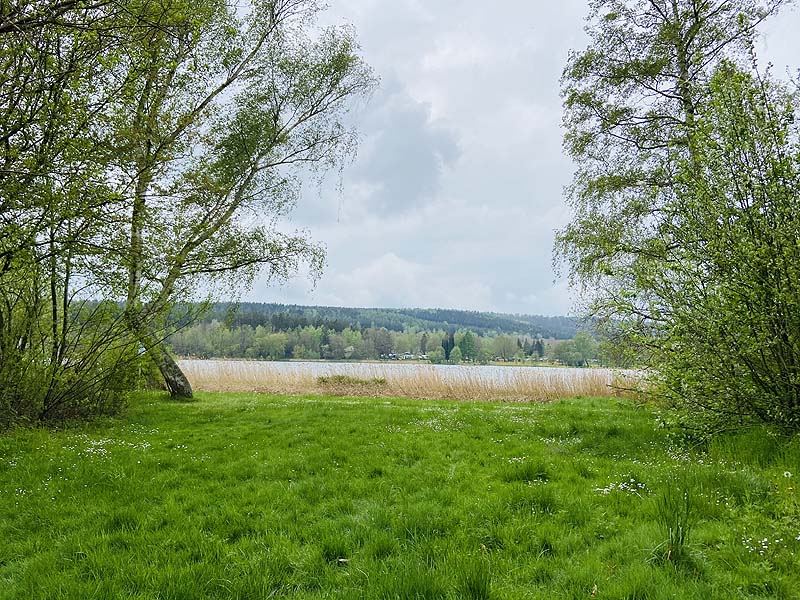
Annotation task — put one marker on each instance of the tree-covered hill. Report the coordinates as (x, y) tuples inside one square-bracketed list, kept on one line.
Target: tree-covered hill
[(285, 317)]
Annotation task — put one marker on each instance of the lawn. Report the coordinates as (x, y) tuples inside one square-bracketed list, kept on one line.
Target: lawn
[(256, 496)]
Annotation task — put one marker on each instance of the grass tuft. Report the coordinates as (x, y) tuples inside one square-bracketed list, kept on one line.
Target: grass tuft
[(527, 472), (474, 580), (676, 516)]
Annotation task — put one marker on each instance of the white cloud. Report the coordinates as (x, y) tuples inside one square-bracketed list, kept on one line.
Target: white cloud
[(392, 281), (457, 190), (460, 50)]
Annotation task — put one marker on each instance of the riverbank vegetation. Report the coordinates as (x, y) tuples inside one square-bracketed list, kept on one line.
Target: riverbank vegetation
[(243, 495), (280, 332), (409, 381)]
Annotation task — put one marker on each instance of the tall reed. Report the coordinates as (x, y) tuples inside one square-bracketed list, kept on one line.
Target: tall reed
[(423, 382)]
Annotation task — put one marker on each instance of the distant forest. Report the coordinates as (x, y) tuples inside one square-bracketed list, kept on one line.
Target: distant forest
[(279, 331), (287, 317)]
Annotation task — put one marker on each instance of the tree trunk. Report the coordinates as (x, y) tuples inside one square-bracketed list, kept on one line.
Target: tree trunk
[(175, 380)]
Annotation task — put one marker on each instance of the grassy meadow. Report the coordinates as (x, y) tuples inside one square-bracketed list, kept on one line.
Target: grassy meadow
[(258, 496)]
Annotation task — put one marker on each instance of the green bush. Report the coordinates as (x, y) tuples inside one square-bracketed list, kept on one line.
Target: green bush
[(87, 371)]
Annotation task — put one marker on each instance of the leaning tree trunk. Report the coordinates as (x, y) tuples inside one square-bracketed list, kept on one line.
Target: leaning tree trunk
[(176, 382), (174, 379)]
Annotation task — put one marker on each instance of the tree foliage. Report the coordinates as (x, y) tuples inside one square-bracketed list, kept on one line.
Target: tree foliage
[(577, 352), (448, 343), (220, 108), (681, 236), (630, 101), (728, 301), (291, 339), (468, 344), (59, 357), (149, 151)]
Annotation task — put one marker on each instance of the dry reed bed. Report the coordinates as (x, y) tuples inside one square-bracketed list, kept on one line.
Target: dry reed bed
[(424, 382)]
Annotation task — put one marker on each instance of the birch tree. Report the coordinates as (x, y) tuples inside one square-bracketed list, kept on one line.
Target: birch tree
[(148, 154), (223, 106), (686, 180), (630, 100)]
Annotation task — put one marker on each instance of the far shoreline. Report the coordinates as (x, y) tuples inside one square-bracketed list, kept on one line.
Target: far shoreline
[(543, 364)]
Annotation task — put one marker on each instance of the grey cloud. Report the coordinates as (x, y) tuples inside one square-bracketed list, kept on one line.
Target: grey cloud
[(400, 165), (404, 153), (457, 189)]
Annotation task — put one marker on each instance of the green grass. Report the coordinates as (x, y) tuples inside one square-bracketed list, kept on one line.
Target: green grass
[(247, 496)]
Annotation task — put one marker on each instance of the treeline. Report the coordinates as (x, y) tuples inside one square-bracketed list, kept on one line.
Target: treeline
[(217, 340), (282, 317)]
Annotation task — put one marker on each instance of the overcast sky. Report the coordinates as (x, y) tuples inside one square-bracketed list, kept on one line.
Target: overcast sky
[(457, 189)]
